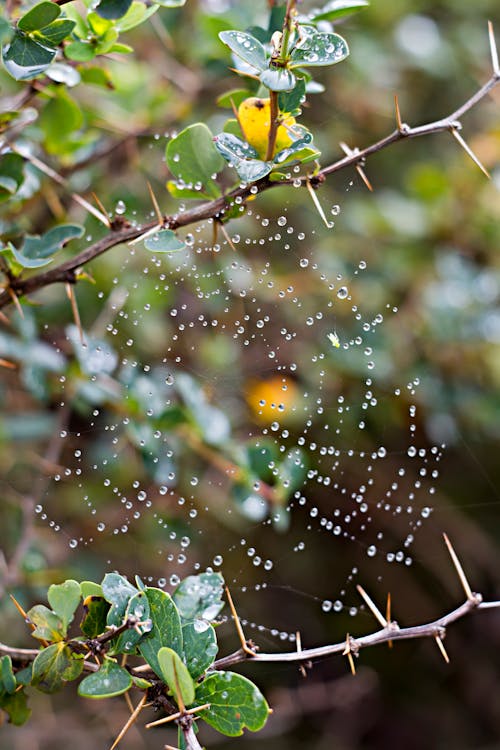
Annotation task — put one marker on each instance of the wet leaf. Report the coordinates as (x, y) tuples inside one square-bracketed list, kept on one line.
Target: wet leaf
[(166, 630), (200, 597), (278, 79), (26, 59), (137, 607), (200, 647), (193, 158), (117, 591), (235, 703), (110, 680), (247, 47), (39, 251), (94, 620), (321, 48), (164, 241)]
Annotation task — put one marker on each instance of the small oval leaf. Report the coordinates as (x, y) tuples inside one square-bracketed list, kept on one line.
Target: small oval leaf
[(109, 681), (164, 241), (235, 703), (245, 46), (176, 675)]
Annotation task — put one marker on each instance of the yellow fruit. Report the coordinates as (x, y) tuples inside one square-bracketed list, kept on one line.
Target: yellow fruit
[(254, 116), (272, 400)]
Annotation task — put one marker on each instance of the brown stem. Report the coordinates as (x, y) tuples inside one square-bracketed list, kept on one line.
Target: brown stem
[(273, 127), (213, 209)]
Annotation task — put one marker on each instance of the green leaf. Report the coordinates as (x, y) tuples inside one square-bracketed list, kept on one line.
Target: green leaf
[(262, 457), (25, 59), (16, 707), (6, 31), (89, 588), (166, 630), (60, 118), (177, 191), (11, 173), (176, 675), (290, 101), (8, 682), (39, 16), (171, 3), (291, 473), (200, 597), (54, 33), (48, 626), (245, 46), (164, 241), (96, 76), (55, 665), (117, 591), (200, 647), (64, 599), (242, 157), (336, 9), (136, 14), (138, 607), (113, 8), (193, 158), (39, 251), (235, 703), (278, 79), (235, 96), (94, 620), (80, 51), (320, 48), (109, 681)]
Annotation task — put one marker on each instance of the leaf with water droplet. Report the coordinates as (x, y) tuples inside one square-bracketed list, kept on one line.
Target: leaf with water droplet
[(235, 703), (137, 608), (317, 49), (247, 47), (48, 625), (164, 241), (200, 646), (166, 628), (200, 596), (192, 157), (95, 613), (39, 251), (117, 590), (278, 79), (110, 680)]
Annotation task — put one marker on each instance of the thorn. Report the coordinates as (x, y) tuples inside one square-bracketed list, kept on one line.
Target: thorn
[(399, 122), (7, 364), (361, 172), (173, 717), (101, 206), (21, 611), (493, 49), (347, 652), (442, 648), (15, 300), (372, 606), (298, 641), (4, 318), (156, 206), (469, 151), (145, 235), (237, 623), (76, 314), (459, 569), (127, 699), (64, 183), (226, 235), (359, 169), (132, 718), (215, 232), (388, 614), (318, 206)]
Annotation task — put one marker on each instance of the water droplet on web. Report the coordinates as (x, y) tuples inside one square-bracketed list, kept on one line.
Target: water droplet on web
[(120, 208)]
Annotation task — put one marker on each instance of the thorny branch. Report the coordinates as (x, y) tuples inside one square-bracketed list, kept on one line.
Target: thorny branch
[(121, 232)]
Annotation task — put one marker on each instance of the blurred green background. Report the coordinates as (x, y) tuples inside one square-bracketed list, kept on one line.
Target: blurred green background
[(420, 252)]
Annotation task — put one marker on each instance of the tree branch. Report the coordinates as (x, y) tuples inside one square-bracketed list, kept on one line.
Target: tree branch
[(67, 271)]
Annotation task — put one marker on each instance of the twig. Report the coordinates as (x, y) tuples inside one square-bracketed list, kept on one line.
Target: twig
[(215, 208)]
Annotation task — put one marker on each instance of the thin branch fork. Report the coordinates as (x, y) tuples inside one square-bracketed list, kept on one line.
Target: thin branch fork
[(67, 272)]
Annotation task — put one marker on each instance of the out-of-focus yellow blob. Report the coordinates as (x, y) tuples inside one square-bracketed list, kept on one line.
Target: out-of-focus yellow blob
[(254, 116), (272, 400)]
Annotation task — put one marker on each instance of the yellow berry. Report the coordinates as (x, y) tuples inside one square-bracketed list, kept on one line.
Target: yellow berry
[(254, 116), (274, 399)]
